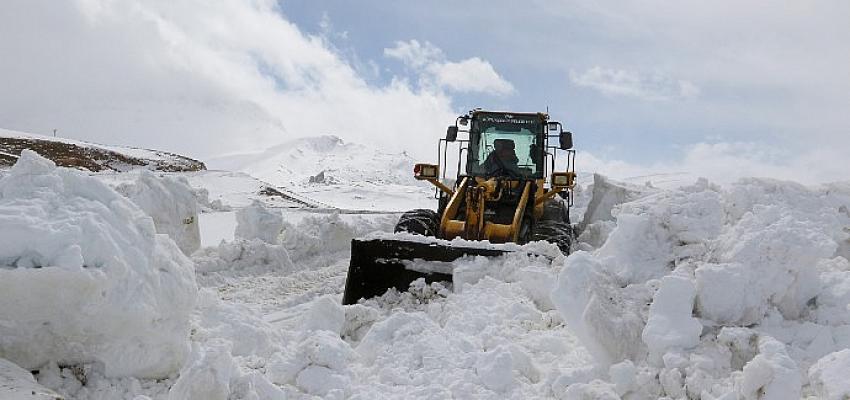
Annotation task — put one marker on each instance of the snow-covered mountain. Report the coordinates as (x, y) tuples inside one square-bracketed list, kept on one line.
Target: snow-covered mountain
[(90, 156), (329, 170)]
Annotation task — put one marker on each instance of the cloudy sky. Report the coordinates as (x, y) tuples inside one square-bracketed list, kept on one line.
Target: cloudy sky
[(714, 88)]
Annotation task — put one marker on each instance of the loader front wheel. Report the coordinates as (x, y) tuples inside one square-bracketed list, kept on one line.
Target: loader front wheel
[(555, 232), (420, 221)]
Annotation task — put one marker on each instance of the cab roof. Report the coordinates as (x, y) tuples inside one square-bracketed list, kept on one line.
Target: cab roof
[(510, 114)]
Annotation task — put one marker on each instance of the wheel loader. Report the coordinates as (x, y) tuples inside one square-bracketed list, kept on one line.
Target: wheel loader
[(506, 190)]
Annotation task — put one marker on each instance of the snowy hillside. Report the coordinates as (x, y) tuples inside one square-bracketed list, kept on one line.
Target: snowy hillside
[(344, 175), (90, 156)]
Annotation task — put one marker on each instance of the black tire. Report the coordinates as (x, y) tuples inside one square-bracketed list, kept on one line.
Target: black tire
[(555, 232), (555, 209), (420, 221)]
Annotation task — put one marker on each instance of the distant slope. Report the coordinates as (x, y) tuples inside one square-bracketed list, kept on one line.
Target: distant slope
[(320, 160), (90, 156), (329, 170)]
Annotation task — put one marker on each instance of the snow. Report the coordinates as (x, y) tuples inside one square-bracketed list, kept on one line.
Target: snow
[(258, 222), (771, 374), (697, 291), (720, 292), (829, 375), (235, 189), (338, 174), (17, 383), (217, 227), (670, 324), (84, 277), (171, 203)]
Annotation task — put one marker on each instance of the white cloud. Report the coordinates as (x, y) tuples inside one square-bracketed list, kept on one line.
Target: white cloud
[(415, 54), (469, 75), (618, 82), (724, 163), (196, 77)]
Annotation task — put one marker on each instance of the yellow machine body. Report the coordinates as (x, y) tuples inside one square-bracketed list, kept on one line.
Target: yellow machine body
[(473, 224), (502, 196)]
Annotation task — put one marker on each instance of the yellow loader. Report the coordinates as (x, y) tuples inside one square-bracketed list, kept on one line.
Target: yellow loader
[(506, 191)]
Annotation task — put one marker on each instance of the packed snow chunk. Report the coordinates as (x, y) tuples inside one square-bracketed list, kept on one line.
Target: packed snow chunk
[(724, 294), (207, 375), (495, 369), (399, 327), (623, 376), (17, 383), (242, 257), (769, 258), (742, 344), (607, 317), (772, 374), (172, 204), (671, 324), (607, 195), (320, 381), (830, 376), (593, 390), (637, 249), (833, 302), (258, 222), (322, 235), (319, 364), (84, 277), (237, 323), (325, 314)]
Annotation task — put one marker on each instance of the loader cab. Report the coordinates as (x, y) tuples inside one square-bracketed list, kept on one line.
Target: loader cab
[(506, 145)]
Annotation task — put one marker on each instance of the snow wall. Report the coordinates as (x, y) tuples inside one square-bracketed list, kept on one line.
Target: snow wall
[(84, 277), (738, 292), (171, 203)]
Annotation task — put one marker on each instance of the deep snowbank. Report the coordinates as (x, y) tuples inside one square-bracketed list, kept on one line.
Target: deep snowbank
[(171, 203), (721, 293), (85, 278)]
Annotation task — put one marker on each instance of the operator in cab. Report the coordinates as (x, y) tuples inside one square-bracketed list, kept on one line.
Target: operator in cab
[(502, 161)]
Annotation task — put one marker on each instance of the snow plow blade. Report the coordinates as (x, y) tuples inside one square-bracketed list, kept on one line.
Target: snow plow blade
[(378, 265)]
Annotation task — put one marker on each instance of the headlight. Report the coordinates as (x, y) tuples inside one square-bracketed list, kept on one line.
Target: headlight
[(425, 171), (429, 171), (561, 179)]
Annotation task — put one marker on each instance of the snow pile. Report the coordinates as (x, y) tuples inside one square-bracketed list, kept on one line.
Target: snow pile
[(829, 376), (719, 292), (84, 277), (600, 207), (282, 247), (255, 250), (17, 383), (171, 203), (229, 344), (258, 222), (324, 236), (251, 256), (318, 361)]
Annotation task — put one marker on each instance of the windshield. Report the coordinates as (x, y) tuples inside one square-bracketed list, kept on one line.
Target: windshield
[(505, 148)]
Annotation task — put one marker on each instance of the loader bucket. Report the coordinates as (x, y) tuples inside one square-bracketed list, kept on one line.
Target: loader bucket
[(380, 264)]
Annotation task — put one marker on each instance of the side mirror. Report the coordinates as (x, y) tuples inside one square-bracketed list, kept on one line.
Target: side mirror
[(451, 133), (566, 140)]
